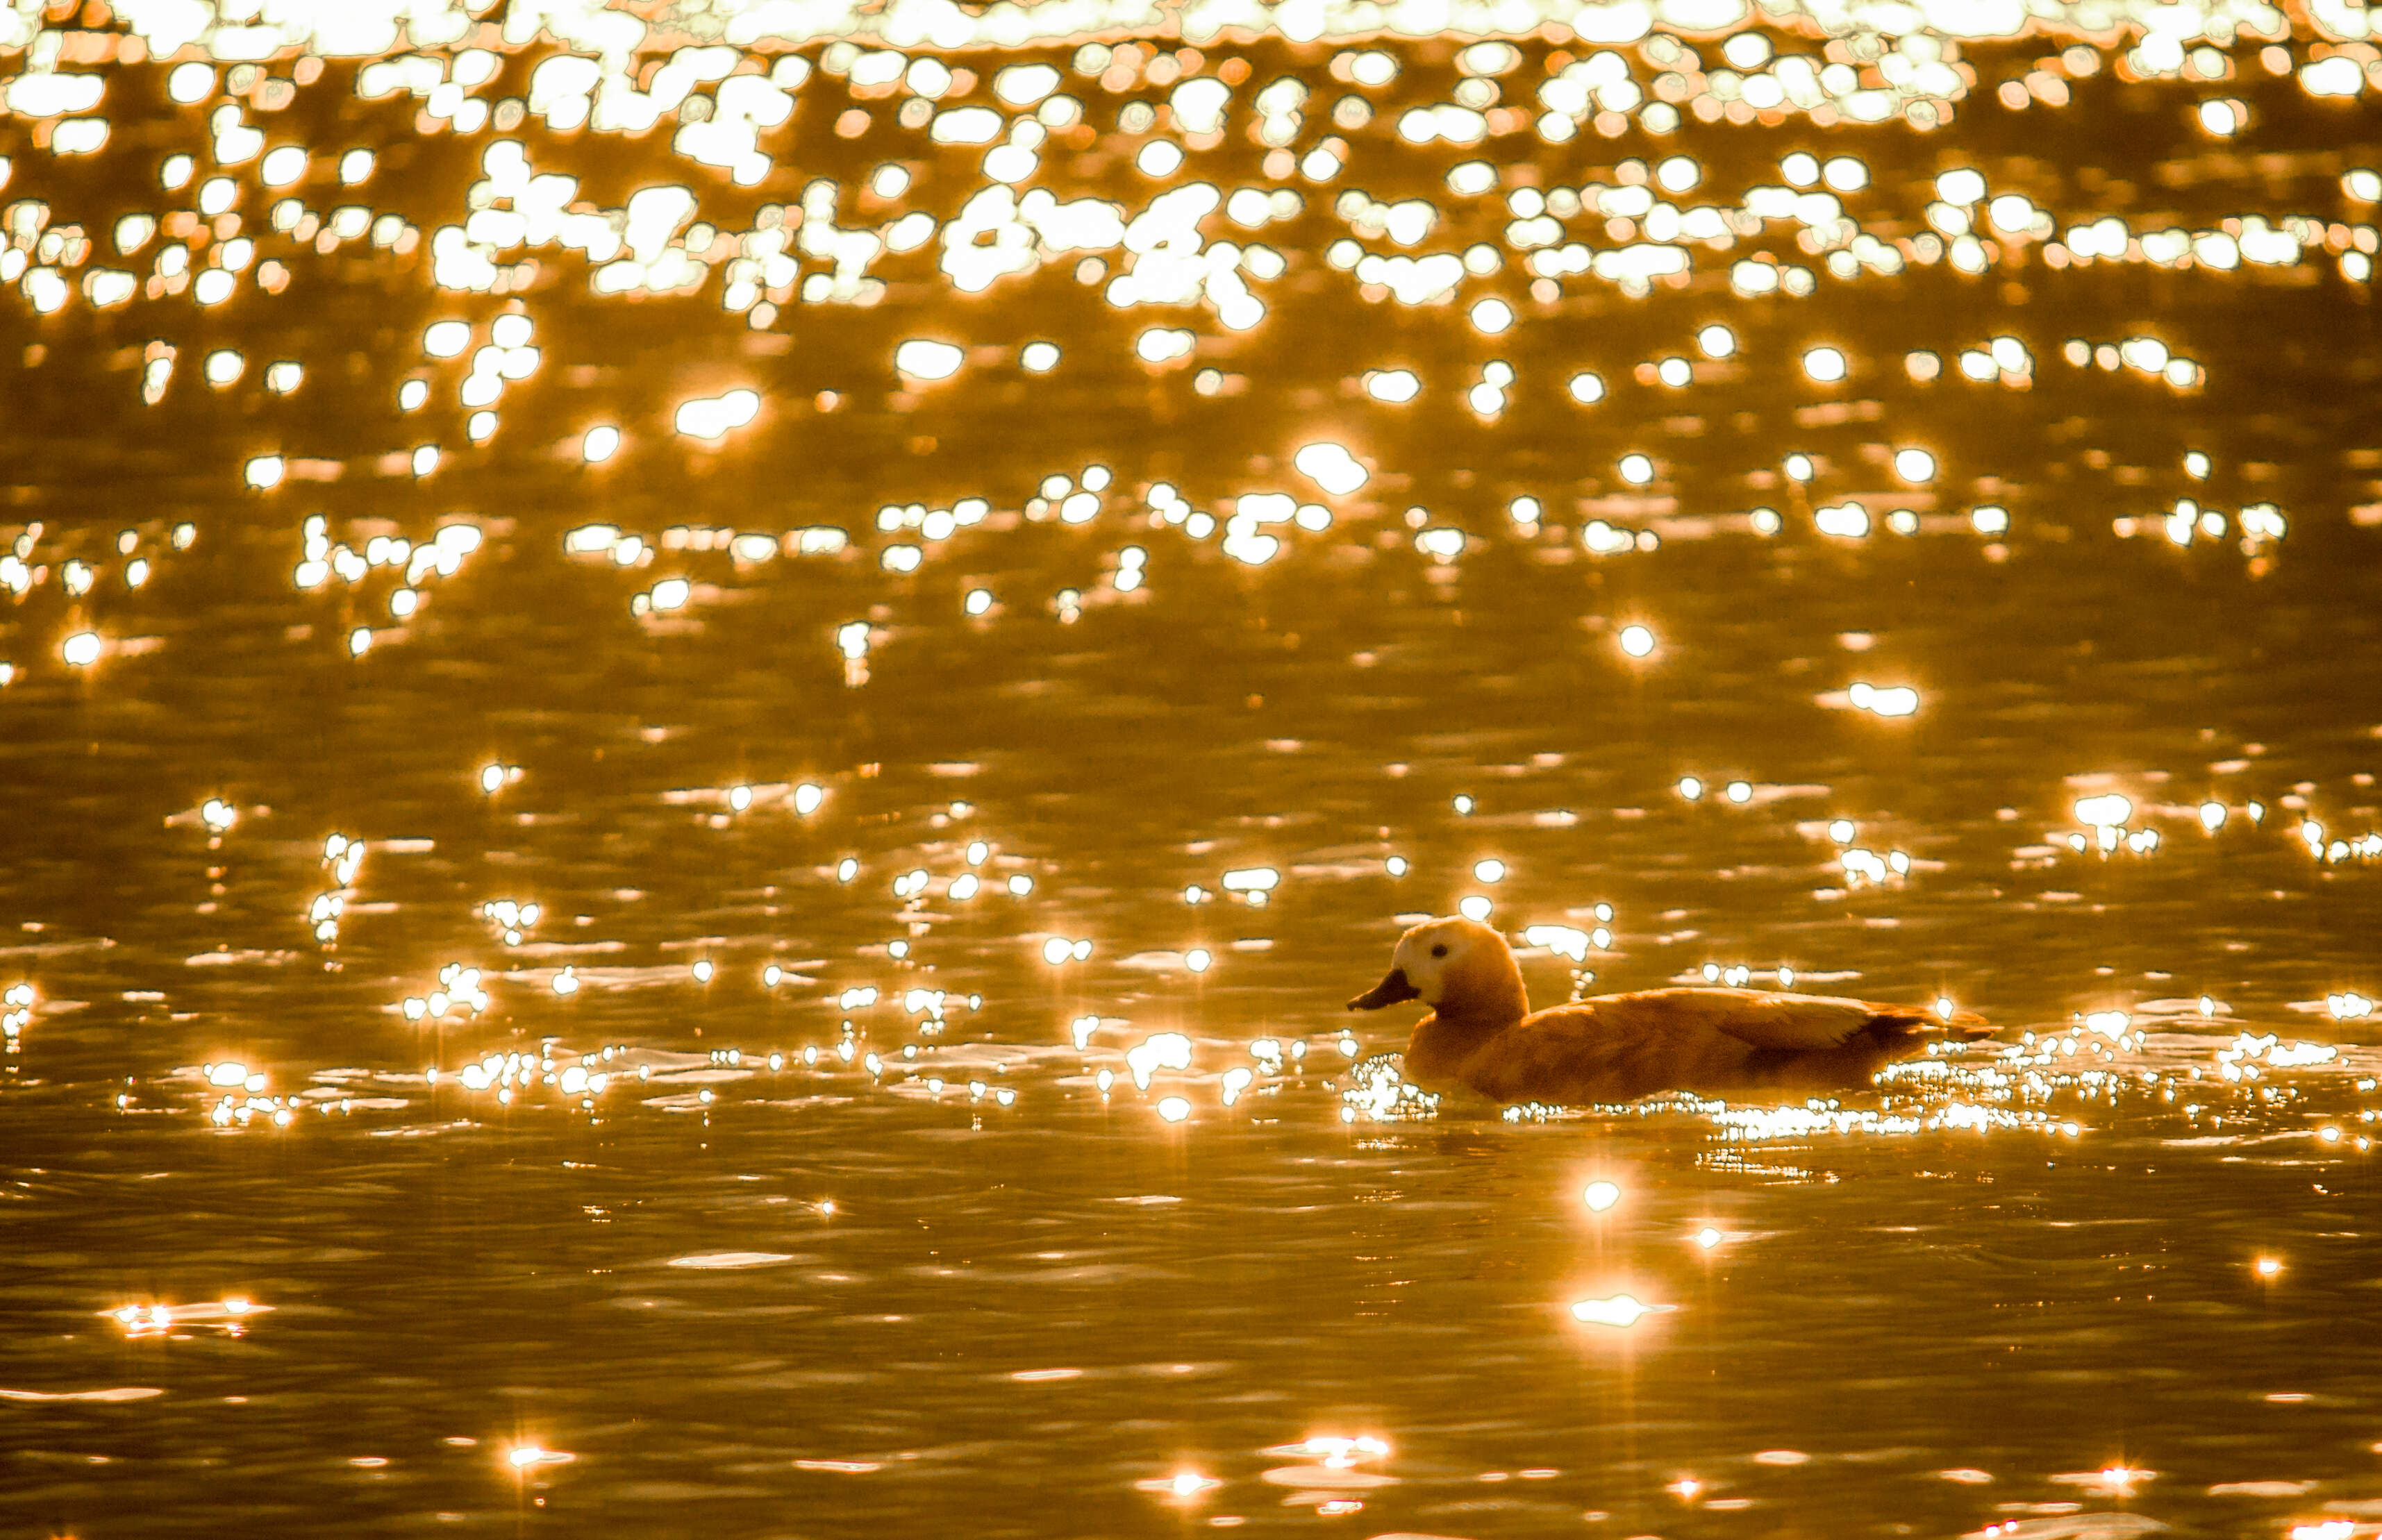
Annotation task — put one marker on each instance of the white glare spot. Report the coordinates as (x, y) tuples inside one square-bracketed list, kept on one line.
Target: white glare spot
[(190, 82), (1887, 700), (1622, 1310), (1491, 316), (923, 360), (283, 167), (712, 418), (2107, 812), (1962, 187), (1331, 467)]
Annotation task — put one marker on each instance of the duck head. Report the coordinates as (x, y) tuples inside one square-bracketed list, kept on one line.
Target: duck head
[(1455, 966)]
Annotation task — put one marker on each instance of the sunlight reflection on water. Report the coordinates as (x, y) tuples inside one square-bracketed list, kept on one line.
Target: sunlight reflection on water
[(617, 620)]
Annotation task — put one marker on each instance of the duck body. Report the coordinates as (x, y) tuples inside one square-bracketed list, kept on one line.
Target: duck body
[(1712, 1041), (1482, 1037)]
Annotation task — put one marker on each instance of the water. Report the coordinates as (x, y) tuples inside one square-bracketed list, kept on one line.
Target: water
[(767, 1183)]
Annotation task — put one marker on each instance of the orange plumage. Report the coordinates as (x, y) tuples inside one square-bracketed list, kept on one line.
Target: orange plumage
[(1482, 1035)]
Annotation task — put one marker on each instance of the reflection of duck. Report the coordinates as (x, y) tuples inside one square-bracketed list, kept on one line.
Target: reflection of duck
[(1482, 1033)]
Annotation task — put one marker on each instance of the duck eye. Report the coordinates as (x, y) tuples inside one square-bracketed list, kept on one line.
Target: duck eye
[(1440, 951)]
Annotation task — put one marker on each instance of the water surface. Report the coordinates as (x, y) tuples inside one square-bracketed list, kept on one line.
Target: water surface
[(646, 662)]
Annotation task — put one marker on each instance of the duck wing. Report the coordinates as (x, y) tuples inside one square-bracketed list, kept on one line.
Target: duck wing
[(1789, 1023), (1614, 1048), (1712, 1041)]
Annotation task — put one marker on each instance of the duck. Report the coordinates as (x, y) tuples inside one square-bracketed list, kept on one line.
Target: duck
[(1482, 1037)]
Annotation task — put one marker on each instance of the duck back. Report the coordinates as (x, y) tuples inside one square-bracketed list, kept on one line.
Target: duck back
[(1589, 1053)]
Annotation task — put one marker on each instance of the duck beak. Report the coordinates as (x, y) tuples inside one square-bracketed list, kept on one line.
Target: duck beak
[(1389, 992)]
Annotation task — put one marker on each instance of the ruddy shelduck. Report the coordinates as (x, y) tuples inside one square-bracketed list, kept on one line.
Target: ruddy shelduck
[(1482, 1033)]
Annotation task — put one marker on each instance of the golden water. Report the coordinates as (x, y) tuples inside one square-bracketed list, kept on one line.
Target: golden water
[(702, 708)]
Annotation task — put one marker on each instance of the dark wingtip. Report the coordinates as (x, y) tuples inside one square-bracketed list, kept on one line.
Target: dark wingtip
[(1965, 1026)]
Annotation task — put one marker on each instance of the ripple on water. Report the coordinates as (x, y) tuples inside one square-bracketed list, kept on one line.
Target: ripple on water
[(715, 616)]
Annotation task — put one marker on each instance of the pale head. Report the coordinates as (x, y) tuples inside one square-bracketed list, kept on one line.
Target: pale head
[(1450, 963)]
